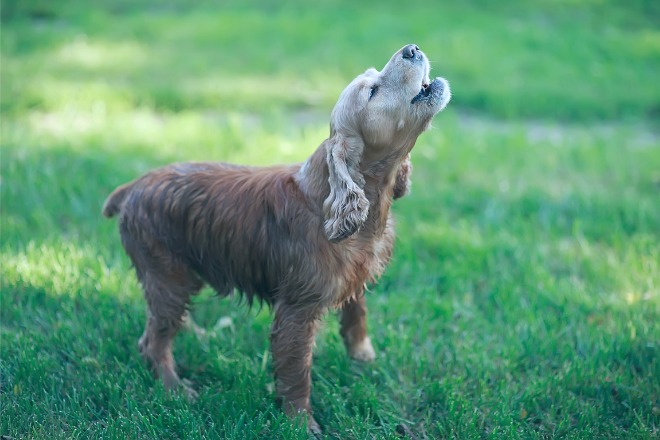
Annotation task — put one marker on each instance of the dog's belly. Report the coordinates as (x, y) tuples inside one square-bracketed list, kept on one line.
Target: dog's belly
[(296, 272)]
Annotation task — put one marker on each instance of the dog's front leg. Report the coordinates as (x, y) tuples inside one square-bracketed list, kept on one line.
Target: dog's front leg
[(292, 340), (354, 329)]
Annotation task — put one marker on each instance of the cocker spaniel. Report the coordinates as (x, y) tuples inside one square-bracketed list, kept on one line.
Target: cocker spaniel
[(303, 238)]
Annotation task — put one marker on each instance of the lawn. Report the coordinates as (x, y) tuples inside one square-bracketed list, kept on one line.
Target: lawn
[(523, 298)]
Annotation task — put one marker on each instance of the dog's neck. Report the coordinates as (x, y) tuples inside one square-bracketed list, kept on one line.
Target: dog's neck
[(379, 174)]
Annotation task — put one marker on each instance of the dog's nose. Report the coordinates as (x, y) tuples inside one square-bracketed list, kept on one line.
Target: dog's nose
[(409, 50)]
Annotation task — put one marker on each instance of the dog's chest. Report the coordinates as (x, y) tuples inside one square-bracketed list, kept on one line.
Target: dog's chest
[(360, 264)]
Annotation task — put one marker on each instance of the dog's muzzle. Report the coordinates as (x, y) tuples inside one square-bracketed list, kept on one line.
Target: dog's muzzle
[(431, 93)]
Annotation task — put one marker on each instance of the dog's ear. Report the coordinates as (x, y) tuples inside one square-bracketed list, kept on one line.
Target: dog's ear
[(346, 207)]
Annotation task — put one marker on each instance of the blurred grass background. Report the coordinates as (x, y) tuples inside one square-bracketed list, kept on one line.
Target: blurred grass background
[(575, 60), (522, 300)]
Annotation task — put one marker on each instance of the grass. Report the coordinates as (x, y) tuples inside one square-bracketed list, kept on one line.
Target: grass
[(523, 297)]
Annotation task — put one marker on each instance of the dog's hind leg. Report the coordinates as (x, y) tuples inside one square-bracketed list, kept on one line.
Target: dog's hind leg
[(354, 329), (167, 291)]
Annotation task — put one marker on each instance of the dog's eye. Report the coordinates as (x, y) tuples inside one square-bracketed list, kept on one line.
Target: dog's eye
[(372, 92)]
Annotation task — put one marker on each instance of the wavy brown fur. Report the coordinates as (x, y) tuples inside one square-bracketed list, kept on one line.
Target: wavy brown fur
[(303, 238)]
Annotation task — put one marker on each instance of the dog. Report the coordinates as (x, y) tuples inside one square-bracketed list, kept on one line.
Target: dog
[(303, 238)]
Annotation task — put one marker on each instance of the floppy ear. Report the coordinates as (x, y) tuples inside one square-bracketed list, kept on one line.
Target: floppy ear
[(402, 180), (346, 207)]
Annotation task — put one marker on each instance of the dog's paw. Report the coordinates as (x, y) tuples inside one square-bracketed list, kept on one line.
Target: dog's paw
[(185, 389), (313, 428), (363, 351)]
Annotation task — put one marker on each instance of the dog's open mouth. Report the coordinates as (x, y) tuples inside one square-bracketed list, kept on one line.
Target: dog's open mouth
[(429, 92)]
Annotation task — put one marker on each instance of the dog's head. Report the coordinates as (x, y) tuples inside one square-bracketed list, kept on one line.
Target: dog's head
[(382, 108), (377, 118)]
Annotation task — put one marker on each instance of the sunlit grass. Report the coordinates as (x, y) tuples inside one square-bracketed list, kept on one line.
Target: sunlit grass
[(81, 53)]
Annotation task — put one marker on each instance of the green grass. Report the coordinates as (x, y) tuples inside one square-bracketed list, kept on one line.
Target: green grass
[(523, 297)]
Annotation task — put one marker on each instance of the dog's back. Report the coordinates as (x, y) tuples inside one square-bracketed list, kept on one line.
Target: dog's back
[(236, 227)]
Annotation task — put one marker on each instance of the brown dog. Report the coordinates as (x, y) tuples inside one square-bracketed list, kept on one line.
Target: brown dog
[(303, 238)]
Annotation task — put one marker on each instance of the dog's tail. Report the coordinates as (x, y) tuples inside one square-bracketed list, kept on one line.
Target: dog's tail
[(115, 200)]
